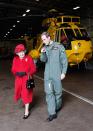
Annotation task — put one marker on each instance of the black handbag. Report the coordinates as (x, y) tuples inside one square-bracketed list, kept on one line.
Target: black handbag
[(30, 84)]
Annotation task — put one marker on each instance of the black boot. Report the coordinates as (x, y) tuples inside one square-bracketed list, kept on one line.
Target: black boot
[(51, 117)]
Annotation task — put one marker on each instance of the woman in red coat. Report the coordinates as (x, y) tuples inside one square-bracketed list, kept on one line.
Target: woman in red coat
[(23, 66)]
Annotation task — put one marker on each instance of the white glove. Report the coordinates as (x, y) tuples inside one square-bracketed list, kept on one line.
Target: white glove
[(62, 76), (43, 50)]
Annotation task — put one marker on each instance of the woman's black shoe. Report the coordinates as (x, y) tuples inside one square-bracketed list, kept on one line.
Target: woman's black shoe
[(26, 116)]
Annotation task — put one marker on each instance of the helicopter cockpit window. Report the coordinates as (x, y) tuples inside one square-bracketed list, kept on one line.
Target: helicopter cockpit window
[(70, 34), (84, 34), (78, 35)]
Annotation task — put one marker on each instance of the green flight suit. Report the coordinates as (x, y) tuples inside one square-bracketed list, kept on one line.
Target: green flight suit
[(56, 64)]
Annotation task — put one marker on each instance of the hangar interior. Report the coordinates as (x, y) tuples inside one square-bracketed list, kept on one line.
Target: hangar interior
[(19, 18), (23, 16)]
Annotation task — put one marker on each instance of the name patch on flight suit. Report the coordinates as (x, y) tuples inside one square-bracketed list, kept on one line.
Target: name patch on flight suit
[(54, 48)]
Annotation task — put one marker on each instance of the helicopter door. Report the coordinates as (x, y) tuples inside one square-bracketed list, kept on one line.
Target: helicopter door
[(64, 40)]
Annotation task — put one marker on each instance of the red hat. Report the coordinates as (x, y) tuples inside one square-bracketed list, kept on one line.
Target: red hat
[(19, 48)]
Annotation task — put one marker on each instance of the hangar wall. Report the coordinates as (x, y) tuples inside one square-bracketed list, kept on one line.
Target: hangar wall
[(88, 24)]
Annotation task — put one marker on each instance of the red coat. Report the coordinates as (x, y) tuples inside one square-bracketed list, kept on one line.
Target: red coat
[(25, 65)]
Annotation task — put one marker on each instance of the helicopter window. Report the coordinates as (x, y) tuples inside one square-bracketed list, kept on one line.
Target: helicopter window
[(78, 35), (70, 34), (67, 19), (75, 20), (84, 34)]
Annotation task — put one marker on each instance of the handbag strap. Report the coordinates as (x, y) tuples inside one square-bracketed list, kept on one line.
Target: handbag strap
[(29, 76)]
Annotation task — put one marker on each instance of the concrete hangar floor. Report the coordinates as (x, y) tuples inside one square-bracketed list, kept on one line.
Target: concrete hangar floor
[(76, 114)]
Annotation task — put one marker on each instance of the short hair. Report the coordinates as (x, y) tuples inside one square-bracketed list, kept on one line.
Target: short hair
[(46, 34)]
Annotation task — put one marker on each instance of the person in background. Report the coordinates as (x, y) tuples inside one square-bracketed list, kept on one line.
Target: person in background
[(54, 56), (23, 66)]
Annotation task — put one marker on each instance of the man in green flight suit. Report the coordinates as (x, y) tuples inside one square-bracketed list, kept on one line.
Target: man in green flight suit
[(54, 56)]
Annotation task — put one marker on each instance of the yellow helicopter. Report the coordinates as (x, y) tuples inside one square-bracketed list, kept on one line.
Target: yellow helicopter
[(68, 31)]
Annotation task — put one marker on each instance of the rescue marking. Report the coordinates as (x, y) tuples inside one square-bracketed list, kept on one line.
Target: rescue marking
[(71, 93)]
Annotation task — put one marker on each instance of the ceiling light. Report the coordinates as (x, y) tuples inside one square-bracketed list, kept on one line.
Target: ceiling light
[(18, 21), (24, 15), (77, 7), (8, 32), (11, 29), (14, 25), (28, 10)]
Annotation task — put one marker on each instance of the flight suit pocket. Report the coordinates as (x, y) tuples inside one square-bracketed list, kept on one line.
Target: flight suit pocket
[(48, 86)]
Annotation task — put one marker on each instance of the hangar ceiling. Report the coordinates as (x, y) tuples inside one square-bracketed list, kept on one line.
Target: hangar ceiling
[(17, 20)]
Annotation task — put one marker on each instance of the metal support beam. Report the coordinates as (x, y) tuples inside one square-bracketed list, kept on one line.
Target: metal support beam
[(18, 6), (22, 17)]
